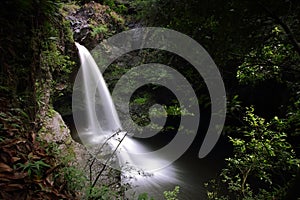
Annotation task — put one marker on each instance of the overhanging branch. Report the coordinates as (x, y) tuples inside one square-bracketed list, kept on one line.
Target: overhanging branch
[(285, 27)]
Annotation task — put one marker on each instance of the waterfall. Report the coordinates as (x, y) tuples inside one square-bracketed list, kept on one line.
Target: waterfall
[(97, 121), (96, 93)]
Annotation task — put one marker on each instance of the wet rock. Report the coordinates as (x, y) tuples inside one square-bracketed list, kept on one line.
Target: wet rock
[(56, 131), (87, 21)]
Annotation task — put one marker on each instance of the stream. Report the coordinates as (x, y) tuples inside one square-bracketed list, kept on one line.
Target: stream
[(98, 123)]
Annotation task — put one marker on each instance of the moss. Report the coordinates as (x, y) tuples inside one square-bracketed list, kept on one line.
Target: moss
[(117, 18), (100, 29), (68, 7)]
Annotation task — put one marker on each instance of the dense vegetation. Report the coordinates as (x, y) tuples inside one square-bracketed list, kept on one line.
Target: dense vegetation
[(255, 44), (256, 47), (35, 44)]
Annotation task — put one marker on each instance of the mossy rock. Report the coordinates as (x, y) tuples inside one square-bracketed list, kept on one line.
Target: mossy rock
[(94, 22)]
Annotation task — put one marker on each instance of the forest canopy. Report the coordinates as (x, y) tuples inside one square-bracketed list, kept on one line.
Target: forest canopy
[(255, 44)]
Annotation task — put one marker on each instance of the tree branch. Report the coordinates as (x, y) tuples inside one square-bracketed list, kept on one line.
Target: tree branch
[(285, 27), (105, 164)]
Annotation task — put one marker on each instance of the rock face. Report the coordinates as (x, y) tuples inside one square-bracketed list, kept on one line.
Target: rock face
[(90, 24), (93, 22), (56, 131)]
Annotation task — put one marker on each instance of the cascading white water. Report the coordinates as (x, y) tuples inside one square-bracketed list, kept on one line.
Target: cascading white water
[(96, 120), (96, 93)]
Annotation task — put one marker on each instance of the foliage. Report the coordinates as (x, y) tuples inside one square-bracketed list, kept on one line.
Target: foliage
[(229, 30), (119, 7), (101, 193), (34, 168), (168, 195), (263, 163), (34, 52), (56, 62), (252, 42), (172, 195), (27, 166), (292, 124), (75, 179), (269, 61), (144, 196), (249, 42), (100, 29)]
